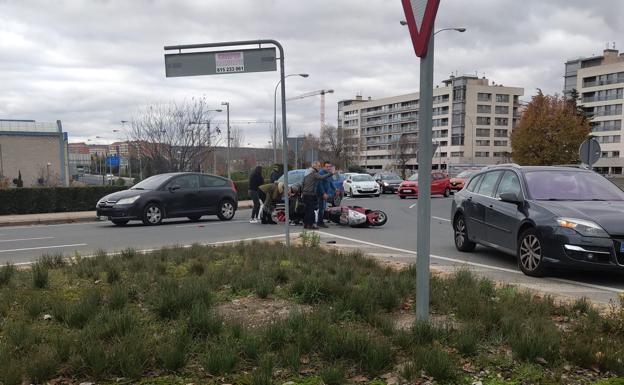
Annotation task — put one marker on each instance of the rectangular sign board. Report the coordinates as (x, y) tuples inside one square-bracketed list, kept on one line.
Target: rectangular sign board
[(222, 62)]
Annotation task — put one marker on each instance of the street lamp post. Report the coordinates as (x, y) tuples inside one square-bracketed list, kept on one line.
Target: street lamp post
[(227, 161), (275, 115)]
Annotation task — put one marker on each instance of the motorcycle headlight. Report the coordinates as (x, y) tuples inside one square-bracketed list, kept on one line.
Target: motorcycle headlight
[(128, 201), (583, 227)]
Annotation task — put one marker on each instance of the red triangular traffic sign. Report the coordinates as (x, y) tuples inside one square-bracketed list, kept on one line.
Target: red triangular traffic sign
[(420, 16)]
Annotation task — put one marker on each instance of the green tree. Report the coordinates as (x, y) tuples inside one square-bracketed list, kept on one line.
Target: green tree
[(550, 131)]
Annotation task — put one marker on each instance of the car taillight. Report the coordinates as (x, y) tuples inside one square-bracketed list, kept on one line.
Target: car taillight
[(233, 185)]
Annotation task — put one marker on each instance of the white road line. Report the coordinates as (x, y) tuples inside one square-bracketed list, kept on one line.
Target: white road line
[(413, 205), (52, 225), (43, 247), (441, 219), (25, 239), (202, 224), (589, 285)]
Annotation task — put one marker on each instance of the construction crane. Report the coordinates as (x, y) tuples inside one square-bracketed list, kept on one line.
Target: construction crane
[(314, 93)]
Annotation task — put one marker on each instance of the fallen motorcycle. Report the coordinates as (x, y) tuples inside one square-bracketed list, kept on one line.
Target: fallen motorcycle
[(355, 216)]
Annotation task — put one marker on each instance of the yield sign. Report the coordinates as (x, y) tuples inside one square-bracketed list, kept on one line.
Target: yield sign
[(420, 15)]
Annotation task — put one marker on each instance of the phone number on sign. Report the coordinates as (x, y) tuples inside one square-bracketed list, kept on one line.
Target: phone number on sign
[(230, 69)]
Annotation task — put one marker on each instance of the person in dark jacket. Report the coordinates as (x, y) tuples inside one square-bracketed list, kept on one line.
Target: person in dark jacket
[(255, 181), (310, 180), (275, 174), (324, 190), (273, 193)]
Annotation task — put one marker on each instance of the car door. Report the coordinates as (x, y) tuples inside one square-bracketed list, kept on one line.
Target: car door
[(182, 196), (483, 196), (211, 190), (437, 179), (503, 218)]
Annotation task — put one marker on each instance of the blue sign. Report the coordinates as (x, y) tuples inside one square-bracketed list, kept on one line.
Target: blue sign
[(112, 160)]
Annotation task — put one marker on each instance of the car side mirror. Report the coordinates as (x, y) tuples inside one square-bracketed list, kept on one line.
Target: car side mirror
[(510, 198), (174, 188)]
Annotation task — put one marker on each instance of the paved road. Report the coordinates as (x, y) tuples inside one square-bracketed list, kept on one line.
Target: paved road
[(397, 239)]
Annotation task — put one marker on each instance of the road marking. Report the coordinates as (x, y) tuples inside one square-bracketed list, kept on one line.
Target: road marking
[(25, 239), (441, 219), (413, 205), (43, 247), (202, 224), (589, 285), (52, 225)]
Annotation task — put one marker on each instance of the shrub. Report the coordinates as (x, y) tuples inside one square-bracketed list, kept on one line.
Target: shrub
[(263, 375), (535, 338), (129, 355), (42, 364), (333, 375), (436, 363), (250, 346), (118, 297), (172, 351), (6, 273), (197, 268), (204, 321), (40, 277), (53, 261), (264, 286), (220, 358), (467, 338), (112, 274)]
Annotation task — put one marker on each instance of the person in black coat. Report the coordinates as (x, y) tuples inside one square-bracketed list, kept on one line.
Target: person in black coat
[(255, 181), (275, 174)]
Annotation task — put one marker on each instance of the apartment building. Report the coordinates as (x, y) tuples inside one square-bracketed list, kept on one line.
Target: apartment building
[(599, 81), (472, 124)]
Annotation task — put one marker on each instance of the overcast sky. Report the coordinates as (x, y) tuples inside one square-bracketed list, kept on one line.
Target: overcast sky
[(93, 63)]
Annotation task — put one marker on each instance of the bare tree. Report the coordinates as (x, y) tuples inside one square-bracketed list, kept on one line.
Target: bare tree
[(237, 137), (333, 148), (174, 136), (404, 150)]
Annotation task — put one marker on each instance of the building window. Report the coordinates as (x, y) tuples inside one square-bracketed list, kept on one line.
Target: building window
[(484, 97), (440, 110), (457, 140), (612, 109), (459, 94), (502, 110), (440, 122), (498, 133), (457, 154), (606, 125), (482, 142), (484, 108), (441, 99), (501, 121), (500, 143), (502, 98), (484, 120), (483, 132), (501, 154), (482, 154), (608, 139)]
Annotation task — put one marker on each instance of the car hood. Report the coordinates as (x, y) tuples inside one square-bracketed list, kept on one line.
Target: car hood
[(607, 214), (392, 181), (366, 184), (114, 197)]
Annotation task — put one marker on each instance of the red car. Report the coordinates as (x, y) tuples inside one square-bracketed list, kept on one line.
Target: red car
[(440, 185), (458, 182)]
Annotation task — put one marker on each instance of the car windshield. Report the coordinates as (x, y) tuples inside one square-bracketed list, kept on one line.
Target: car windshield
[(390, 177), (571, 186), (151, 183), (413, 177), (465, 174), (362, 178), (294, 177)]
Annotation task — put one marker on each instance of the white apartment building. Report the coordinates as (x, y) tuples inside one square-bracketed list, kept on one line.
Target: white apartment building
[(472, 124), (599, 80)]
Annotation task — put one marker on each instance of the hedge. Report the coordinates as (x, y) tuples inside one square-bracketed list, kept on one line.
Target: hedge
[(52, 199), (242, 186)]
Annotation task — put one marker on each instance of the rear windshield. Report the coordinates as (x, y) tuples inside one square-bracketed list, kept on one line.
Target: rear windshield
[(571, 186), (294, 177), (413, 177), (465, 174)]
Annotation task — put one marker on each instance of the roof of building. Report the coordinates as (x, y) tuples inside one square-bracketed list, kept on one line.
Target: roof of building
[(17, 125)]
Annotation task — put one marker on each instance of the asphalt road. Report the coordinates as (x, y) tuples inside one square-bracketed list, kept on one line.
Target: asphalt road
[(396, 240)]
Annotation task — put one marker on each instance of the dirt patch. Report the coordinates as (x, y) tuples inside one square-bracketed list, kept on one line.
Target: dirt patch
[(254, 312)]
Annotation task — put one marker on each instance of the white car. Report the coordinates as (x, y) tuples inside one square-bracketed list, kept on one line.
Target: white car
[(360, 184)]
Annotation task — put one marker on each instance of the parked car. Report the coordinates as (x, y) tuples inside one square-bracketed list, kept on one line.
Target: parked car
[(440, 185), (361, 184), (388, 182), (173, 195), (458, 182), (547, 217)]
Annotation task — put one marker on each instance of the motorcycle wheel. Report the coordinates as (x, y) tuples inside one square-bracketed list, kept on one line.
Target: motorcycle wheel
[(382, 218)]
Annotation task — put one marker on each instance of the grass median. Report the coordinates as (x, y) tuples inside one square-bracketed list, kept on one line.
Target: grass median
[(258, 314)]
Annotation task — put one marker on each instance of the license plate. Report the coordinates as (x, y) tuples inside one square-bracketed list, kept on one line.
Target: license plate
[(407, 191)]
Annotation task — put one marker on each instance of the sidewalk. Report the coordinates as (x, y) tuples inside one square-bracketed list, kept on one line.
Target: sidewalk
[(67, 217)]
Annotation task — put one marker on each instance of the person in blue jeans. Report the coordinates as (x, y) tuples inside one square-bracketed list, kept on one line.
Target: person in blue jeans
[(324, 192)]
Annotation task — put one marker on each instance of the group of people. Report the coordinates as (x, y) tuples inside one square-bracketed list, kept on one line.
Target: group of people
[(305, 199)]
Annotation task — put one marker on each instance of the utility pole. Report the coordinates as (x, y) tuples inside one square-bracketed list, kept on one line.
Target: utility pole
[(227, 161), (1, 162)]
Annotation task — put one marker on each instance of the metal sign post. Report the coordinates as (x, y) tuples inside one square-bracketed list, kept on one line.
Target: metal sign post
[(420, 16), (241, 61)]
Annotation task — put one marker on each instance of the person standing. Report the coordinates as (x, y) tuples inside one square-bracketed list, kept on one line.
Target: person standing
[(275, 174), (324, 191), (310, 180), (255, 181)]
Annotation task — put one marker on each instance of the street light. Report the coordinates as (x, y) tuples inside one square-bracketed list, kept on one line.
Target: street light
[(275, 115), (227, 162), (459, 29)]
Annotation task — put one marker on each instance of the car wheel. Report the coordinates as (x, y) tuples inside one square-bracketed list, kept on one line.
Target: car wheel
[(376, 195), (152, 214), (530, 258), (194, 218), (460, 232), (226, 210), (120, 222), (447, 192), (381, 219)]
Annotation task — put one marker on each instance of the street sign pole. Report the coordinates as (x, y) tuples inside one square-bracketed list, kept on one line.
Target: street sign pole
[(424, 180)]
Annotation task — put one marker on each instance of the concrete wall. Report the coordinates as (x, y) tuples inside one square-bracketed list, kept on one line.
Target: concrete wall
[(30, 154)]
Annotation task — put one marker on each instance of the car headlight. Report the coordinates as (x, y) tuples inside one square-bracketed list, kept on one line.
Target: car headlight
[(583, 227), (128, 201), (385, 184)]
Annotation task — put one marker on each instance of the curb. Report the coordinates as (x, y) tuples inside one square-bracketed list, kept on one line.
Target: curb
[(57, 221)]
